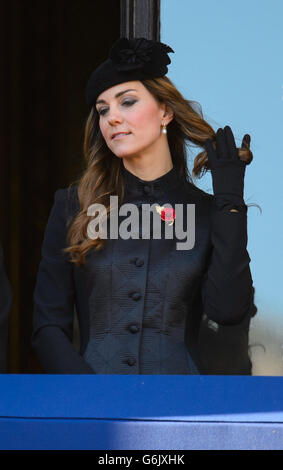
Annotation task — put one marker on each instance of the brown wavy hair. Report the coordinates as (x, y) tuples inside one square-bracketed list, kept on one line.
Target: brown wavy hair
[(102, 176)]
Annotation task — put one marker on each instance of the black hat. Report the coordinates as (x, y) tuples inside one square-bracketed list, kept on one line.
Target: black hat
[(129, 59)]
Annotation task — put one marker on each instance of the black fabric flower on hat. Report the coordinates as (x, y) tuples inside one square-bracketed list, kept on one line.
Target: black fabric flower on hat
[(128, 60), (140, 53)]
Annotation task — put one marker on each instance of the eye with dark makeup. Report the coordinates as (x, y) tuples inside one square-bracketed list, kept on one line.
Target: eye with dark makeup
[(127, 102)]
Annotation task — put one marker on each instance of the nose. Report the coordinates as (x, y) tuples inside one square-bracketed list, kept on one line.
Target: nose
[(114, 117)]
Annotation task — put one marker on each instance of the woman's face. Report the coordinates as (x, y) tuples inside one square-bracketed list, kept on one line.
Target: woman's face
[(130, 119)]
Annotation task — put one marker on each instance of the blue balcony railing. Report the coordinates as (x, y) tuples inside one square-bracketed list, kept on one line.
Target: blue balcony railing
[(140, 412)]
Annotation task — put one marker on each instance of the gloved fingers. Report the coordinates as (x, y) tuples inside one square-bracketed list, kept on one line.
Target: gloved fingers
[(211, 154), (246, 140), (231, 146), (221, 145)]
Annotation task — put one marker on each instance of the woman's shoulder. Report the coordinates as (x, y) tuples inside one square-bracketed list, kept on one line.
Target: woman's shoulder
[(66, 199), (198, 194), (68, 193)]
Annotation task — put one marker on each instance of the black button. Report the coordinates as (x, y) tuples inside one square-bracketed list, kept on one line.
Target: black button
[(131, 361), (134, 328), (139, 262), (135, 295), (146, 189)]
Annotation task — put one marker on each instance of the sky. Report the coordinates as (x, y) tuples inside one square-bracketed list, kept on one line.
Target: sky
[(228, 57)]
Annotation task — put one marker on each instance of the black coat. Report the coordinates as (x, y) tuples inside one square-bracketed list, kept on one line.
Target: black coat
[(141, 303)]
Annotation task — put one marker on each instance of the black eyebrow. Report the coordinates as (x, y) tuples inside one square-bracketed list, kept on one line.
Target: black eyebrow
[(117, 95)]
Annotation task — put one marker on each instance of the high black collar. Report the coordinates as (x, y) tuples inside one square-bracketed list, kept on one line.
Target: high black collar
[(135, 185)]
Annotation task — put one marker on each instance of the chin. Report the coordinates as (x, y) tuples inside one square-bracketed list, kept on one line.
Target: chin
[(124, 152)]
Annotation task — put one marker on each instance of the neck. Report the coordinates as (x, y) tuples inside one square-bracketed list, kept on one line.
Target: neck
[(150, 165)]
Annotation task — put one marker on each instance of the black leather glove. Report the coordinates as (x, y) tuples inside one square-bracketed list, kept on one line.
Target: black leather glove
[(227, 169)]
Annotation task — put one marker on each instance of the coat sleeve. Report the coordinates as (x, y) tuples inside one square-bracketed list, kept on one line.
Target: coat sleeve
[(227, 286), (54, 299)]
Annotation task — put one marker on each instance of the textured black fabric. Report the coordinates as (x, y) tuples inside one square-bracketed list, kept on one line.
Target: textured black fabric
[(230, 202), (141, 302)]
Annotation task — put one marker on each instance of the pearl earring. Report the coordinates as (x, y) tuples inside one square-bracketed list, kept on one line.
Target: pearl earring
[(164, 130)]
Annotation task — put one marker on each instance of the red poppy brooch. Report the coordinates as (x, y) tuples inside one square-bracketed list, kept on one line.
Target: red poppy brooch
[(166, 213)]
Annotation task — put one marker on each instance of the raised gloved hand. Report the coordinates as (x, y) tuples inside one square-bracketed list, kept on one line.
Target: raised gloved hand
[(227, 170)]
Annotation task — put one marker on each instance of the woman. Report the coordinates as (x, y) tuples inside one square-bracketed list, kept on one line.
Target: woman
[(141, 301)]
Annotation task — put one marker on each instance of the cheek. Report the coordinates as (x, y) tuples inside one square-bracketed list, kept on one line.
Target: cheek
[(146, 120), (102, 129)]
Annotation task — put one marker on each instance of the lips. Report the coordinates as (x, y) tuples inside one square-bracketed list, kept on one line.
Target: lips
[(117, 134)]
